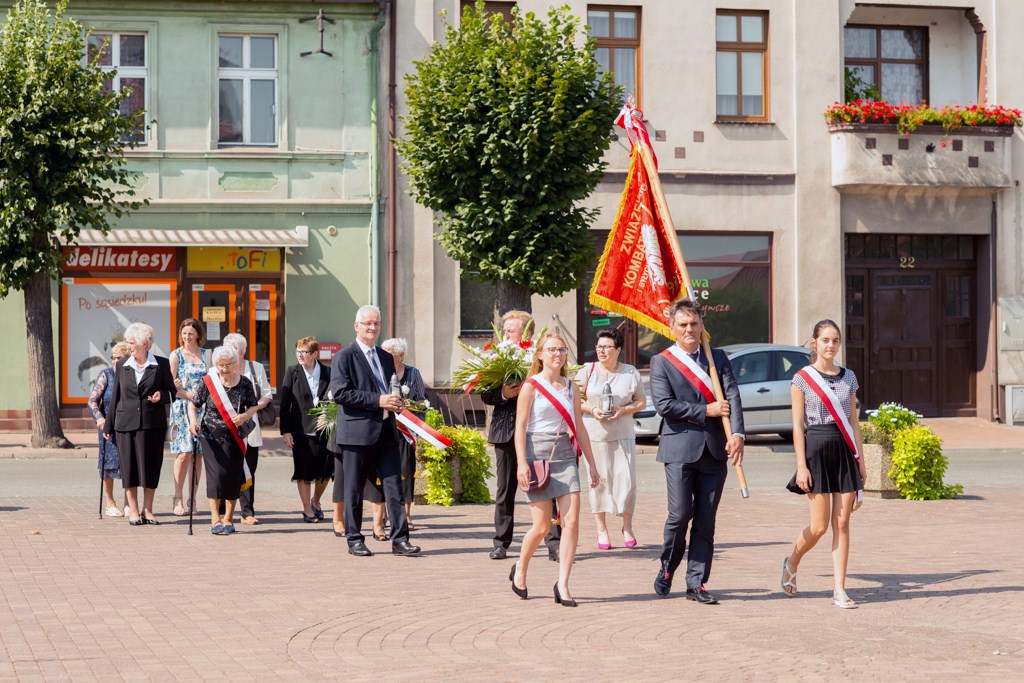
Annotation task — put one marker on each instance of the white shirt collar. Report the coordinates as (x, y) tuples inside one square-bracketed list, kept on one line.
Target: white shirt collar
[(315, 375), (366, 349), (134, 365)]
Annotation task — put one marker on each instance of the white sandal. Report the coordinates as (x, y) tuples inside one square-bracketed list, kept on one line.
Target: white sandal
[(841, 600), (788, 583)]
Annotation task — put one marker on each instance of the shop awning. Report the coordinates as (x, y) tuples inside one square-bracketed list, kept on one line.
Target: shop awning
[(298, 237)]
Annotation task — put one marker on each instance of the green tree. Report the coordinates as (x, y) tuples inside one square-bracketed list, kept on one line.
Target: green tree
[(61, 171), (505, 135)]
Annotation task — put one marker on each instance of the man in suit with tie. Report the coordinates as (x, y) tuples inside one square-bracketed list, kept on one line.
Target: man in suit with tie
[(693, 447), (367, 434)]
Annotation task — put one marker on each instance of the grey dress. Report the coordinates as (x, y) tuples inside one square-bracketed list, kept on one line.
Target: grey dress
[(545, 426)]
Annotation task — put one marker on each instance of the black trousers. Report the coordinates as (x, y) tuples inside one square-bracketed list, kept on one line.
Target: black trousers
[(694, 492), (355, 462), (506, 485)]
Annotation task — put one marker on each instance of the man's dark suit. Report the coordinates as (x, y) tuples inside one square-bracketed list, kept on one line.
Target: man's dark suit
[(502, 434), (368, 442), (296, 401), (692, 447), (138, 425)]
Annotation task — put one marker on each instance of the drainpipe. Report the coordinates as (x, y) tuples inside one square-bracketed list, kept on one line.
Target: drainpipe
[(392, 172), (372, 242)]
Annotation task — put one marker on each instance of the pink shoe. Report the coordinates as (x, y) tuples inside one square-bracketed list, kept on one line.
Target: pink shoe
[(628, 544), (602, 546)]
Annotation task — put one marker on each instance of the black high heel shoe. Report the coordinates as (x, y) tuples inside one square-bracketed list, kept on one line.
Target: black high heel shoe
[(564, 603), (521, 592)]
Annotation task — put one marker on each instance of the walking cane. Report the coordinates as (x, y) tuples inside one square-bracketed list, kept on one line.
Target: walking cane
[(101, 494), (192, 482)]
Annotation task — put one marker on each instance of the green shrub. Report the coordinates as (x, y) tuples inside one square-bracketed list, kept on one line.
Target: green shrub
[(474, 464), (918, 465), (872, 435), (890, 418)]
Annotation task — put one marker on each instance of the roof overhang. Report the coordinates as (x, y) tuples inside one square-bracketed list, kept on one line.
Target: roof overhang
[(297, 237)]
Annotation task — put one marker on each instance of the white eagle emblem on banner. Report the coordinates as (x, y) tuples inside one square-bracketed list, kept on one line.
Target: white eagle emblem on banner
[(655, 266)]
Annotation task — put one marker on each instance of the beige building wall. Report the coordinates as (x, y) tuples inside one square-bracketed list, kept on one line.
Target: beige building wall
[(774, 177)]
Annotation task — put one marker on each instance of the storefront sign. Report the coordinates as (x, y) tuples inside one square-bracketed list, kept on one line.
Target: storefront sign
[(215, 314), (132, 259), (234, 260), (94, 315)]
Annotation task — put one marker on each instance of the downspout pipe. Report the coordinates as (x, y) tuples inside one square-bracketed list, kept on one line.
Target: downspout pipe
[(373, 238), (392, 162)]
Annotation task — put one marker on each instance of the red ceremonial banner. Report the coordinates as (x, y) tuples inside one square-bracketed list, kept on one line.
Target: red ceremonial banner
[(639, 275)]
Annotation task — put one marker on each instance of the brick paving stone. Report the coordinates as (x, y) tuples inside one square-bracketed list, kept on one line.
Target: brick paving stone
[(941, 586)]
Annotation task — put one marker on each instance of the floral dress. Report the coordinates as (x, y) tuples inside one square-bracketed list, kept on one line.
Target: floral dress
[(109, 463), (191, 375)]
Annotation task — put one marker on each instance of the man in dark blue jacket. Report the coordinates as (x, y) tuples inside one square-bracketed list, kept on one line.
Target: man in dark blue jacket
[(367, 434)]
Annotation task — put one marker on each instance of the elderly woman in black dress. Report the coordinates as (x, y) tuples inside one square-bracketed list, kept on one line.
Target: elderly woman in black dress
[(304, 386), (109, 463), (137, 418), (227, 400)]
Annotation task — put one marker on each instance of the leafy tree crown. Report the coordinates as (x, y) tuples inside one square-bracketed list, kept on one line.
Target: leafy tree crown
[(505, 135), (61, 159)]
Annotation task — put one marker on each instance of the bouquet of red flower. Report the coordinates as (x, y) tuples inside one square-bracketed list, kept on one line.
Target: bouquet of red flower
[(497, 363)]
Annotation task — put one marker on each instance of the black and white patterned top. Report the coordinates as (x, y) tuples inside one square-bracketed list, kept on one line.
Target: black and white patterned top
[(845, 386)]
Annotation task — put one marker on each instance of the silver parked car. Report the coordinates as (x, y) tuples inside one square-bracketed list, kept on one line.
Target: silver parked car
[(764, 372)]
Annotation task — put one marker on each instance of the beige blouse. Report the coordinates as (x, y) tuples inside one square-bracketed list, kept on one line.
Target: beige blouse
[(627, 387)]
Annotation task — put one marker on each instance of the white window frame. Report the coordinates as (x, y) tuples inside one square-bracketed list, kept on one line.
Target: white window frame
[(126, 71), (247, 75)]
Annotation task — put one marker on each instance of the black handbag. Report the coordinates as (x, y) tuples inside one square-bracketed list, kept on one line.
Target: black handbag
[(267, 415)]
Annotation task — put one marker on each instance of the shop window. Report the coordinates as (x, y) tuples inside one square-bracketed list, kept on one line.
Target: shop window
[(741, 63), (892, 58), (731, 278), (247, 89), (617, 34), (124, 53), (477, 307)]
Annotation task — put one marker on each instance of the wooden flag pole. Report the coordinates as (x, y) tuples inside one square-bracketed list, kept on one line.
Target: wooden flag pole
[(677, 252)]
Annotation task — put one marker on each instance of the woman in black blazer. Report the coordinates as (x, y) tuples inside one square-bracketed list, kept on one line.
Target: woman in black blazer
[(305, 385), (137, 419)]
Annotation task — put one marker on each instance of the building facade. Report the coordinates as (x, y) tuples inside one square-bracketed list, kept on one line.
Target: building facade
[(259, 160), (913, 244)]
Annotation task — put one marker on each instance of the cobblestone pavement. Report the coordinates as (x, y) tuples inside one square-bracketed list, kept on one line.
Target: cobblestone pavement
[(941, 587)]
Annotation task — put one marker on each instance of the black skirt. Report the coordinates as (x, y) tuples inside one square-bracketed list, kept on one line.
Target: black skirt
[(310, 459), (222, 461), (830, 461)]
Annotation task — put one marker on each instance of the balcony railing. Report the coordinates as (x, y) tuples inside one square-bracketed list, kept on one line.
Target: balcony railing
[(874, 154)]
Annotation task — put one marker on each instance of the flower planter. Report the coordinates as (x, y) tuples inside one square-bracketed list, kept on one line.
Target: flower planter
[(877, 463), (420, 487)]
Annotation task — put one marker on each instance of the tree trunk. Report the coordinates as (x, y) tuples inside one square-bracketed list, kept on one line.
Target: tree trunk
[(512, 297), (42, 388)]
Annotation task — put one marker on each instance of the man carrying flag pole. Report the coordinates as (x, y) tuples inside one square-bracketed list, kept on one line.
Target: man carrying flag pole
[(634, 279)]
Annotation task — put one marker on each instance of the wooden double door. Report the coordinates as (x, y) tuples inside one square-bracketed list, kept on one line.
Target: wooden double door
[(911, 334)]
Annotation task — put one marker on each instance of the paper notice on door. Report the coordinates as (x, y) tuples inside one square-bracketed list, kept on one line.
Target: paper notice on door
[(213, 331), (262, 315), (262, 304)]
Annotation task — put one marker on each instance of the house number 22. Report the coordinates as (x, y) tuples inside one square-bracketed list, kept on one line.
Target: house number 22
[(907, 262)]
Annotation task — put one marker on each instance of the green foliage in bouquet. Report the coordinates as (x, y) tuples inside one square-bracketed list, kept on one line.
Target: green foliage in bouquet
[(497, 363), (918, 465), (326, 413)]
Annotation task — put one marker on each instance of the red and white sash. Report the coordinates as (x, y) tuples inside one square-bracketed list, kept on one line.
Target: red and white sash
[(227, 413), (564, 408), (412, 427), (832, 404), (691, 371)]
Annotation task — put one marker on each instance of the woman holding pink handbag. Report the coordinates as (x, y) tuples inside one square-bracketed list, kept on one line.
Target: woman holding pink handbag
[(549, 443)]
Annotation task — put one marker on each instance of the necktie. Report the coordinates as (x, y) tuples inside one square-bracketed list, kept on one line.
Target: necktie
[(377, 372)]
